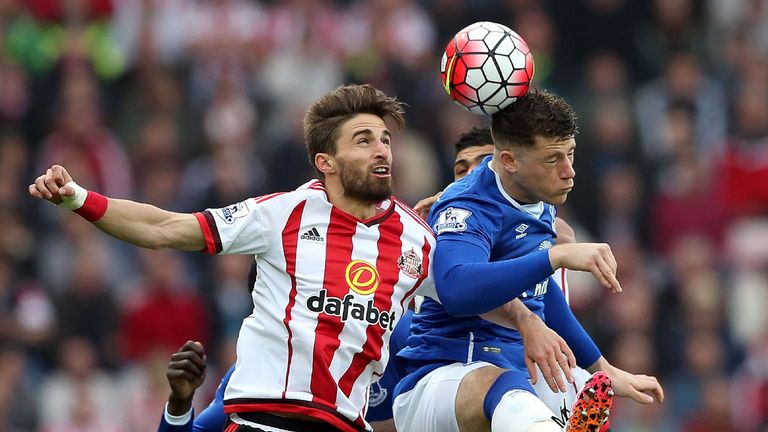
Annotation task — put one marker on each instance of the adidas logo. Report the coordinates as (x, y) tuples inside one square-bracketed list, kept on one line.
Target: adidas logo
[(312, 235)]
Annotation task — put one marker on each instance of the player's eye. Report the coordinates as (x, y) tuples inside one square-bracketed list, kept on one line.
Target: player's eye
[(362, 141), (386, 141)]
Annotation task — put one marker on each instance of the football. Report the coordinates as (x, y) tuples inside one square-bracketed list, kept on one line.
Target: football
[(486, 67)]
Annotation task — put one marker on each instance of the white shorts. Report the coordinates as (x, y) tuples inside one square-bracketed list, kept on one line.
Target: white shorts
[(557, 401), (430, 406)]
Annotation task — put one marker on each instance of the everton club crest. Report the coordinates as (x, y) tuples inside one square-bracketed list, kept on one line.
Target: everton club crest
[(410, 264)]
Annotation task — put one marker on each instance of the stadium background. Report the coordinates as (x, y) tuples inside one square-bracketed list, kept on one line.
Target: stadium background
[(190, 104)]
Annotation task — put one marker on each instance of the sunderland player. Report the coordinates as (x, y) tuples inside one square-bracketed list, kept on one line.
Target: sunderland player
[(186, 372), (471, 149), (495, 233), (339, 259)]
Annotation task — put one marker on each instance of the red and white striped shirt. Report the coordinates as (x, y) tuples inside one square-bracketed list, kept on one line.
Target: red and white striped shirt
[(329, 291)]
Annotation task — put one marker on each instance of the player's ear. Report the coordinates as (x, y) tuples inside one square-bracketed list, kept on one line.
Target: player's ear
[(509, 160), (325, 163)]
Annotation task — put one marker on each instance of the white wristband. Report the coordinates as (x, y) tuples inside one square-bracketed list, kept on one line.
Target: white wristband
[(75, 201), (177, 420)]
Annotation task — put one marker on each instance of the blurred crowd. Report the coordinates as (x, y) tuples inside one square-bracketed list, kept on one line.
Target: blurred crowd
[(190, 104)]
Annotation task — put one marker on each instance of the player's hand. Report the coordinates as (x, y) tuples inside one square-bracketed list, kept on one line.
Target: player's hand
[(50, 186), (422, 207), (640, 388), (186, 372), (595, 258), (546, 349)]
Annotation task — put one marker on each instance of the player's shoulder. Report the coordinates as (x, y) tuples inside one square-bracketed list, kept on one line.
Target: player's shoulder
[(311, 190), (408, 214)]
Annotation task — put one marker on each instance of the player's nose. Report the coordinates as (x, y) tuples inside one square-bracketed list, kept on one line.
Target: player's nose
[(567, 172)]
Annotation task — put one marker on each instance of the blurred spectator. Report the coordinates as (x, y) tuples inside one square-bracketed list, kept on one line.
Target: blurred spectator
[(704, 358), (164, 311), (686, 204), (744, 170), (81, 140), (79, 395), (89, 299), (683, 83), (27, 316), (749, 390), (66, 33), (674, 25), (713, 414), (231, 294), (18, 406)]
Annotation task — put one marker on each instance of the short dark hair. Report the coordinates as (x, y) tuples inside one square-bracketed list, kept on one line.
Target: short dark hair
[(323, 119), (476, 137), (538, 113)]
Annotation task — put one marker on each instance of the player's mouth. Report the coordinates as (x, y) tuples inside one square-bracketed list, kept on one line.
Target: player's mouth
[(382, 171)]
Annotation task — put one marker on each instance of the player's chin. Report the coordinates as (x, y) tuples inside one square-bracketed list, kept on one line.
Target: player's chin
[(558, 199)]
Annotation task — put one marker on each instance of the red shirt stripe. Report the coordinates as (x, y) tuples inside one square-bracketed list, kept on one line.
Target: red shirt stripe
[(290, 240), (210, 245), (341, 230), (389, 247), (415, 216)]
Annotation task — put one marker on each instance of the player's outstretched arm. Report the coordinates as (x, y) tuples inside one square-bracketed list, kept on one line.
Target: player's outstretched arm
[(644, 389), (140, 224)]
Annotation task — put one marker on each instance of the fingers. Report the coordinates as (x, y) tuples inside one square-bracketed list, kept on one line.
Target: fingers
[(567, 361), (53, 180), (531, 370), (608, 275), (422, 207), (186, 375), (554, 367), (42, 187), (190, 357), (195, 346), (49, 185), (650, 385), (546, 374), (62, 174), (187, 362), (34, 192), (640, 397)]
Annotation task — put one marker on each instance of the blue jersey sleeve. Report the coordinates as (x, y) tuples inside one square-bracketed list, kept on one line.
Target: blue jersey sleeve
[(211, 419), (467, 284), (559, 317)]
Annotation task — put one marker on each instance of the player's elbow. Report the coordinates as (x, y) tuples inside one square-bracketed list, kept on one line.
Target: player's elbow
[(455, 299)]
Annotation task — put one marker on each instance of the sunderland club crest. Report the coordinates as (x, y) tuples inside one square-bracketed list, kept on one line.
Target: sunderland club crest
[(410, 264)]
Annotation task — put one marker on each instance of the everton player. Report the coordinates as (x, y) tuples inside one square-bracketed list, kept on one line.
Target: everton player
[(496, 234), (471, 149)]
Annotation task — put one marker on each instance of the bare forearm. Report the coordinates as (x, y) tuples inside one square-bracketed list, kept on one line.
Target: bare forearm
[(511, 315), (600, 365), (148, 226)]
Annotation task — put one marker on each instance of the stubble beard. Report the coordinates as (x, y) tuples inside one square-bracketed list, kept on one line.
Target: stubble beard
[(360, 185)]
